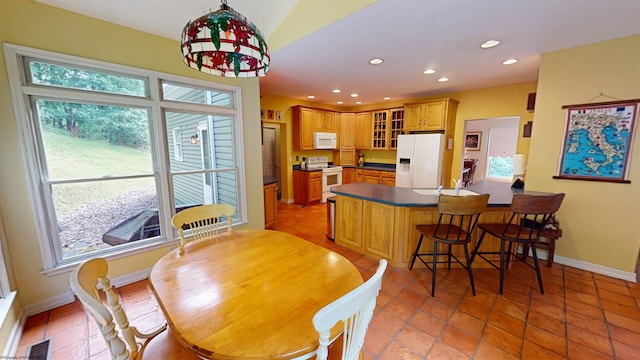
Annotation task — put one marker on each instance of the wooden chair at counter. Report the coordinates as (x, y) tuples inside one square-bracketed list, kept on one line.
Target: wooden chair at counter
[(85, 281), (529, 215), (203, 220), (458, 216), (355, 311)]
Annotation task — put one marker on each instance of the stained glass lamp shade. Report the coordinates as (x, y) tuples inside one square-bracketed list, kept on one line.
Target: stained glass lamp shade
[(224, 43)]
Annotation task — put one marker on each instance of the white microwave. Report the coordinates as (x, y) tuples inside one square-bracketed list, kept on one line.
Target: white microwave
[(324, 140)]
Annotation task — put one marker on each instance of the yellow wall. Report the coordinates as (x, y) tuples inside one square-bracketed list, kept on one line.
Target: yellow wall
[(599, 220), (28, 23)]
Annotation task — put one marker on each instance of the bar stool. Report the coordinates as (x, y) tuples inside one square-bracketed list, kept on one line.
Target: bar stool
[(458, 216), (529, 215)]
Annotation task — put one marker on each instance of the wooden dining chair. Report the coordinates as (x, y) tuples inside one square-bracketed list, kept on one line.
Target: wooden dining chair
[(530, 213), (355, 311), (203, 220), (458, 216), (91, 277)]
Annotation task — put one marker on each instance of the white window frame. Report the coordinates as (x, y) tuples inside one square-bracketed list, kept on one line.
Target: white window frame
[(21, 92), (177, 144)]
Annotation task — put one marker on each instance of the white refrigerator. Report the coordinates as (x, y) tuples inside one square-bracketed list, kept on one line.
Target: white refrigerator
[(419, 160)]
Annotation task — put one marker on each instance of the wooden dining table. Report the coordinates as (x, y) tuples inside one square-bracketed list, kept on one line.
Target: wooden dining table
[(250, 293)]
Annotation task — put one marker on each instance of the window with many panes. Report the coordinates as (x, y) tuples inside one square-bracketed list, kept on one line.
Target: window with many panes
[(114, 152)]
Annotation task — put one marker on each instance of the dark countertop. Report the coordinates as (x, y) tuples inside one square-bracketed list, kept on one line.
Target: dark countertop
[(501, 193), (266, 180), (374, 166)]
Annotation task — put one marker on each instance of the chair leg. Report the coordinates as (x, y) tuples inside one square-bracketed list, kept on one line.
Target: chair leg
[(501, 265), (475, 249), (466, 255), (435, 264), (525, 252), (415, 253), (449, 266), (537, 264), (550, 251), (509, 254)]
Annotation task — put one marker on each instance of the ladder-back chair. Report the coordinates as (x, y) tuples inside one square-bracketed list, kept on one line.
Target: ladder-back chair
[(458, 216), (202, 220), (355, 311), (529, 215), (89, 278)]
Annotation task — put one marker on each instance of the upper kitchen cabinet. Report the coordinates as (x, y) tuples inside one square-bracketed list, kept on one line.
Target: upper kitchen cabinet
[(433, 115), (363, 131), (306, 121), (324, 121), (387, 125), (347, 127), (303, 128)]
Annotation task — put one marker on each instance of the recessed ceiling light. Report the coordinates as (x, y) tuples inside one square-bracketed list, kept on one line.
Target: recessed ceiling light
[(358, 102), (387, 98), (509, 61), (376, 61), (336, 91), (429, 71), (311, 97), (443, 79), (354, 95), (339, 103), (489, 44)]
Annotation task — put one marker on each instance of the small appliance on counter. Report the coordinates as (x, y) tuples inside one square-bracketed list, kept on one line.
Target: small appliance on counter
[(360, 159)]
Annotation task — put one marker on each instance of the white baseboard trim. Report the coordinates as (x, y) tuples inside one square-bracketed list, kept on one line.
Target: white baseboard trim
[(286, 201), (68, 297), (595, 268)]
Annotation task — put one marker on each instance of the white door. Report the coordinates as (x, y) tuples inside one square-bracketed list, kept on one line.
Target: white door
[(269, 151)]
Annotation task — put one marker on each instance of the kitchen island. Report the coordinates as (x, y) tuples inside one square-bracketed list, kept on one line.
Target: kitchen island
[(380, 221)]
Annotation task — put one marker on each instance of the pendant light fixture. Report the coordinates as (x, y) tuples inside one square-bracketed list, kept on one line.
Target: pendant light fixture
[(225, 43)]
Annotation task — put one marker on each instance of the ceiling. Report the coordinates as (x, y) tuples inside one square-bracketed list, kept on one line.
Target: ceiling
[(324, 45)]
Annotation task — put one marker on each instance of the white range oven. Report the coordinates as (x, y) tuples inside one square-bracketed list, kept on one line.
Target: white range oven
[(331, 175)]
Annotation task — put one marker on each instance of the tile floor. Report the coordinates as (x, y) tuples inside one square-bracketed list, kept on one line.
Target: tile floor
[(581, 316)]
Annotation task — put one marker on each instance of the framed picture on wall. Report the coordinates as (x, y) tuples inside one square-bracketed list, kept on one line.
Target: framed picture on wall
[(472, 141)]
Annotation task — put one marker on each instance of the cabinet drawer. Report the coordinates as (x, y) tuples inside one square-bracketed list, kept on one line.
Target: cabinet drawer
[(388, 174), (315, 174), (371, 173)]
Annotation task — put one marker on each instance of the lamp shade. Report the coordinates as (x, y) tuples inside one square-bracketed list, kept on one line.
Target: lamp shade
[(224, 43), (519, 167)]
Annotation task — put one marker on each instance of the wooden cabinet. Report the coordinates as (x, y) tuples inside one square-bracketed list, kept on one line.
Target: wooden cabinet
[(434, 115), (365, 226), (359, 175), (344, 157), (378, 177), (307, 187), (378, 229), (363, 131), (303, 127), (387, 125), (270, 205), (380, 135), (396, 126), (324, 121), (306, 121), (347, 124), (348, 175), (388, 178), (349, 223)]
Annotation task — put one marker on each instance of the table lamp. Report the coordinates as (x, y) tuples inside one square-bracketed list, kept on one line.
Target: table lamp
[(518, 171)]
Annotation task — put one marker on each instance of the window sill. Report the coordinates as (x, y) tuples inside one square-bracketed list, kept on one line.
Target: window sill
[(68, 267)]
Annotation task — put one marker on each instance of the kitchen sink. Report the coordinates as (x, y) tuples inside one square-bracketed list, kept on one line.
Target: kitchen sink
[(462, 192)]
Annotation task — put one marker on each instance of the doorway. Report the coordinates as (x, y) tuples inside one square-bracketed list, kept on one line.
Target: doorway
[(271, 153), (496, 137)]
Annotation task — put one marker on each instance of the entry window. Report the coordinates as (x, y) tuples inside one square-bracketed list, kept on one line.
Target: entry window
[(502, 146), (112, 158)]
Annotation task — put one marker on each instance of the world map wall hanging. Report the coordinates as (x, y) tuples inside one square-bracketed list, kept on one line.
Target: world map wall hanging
[(597, 141)]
